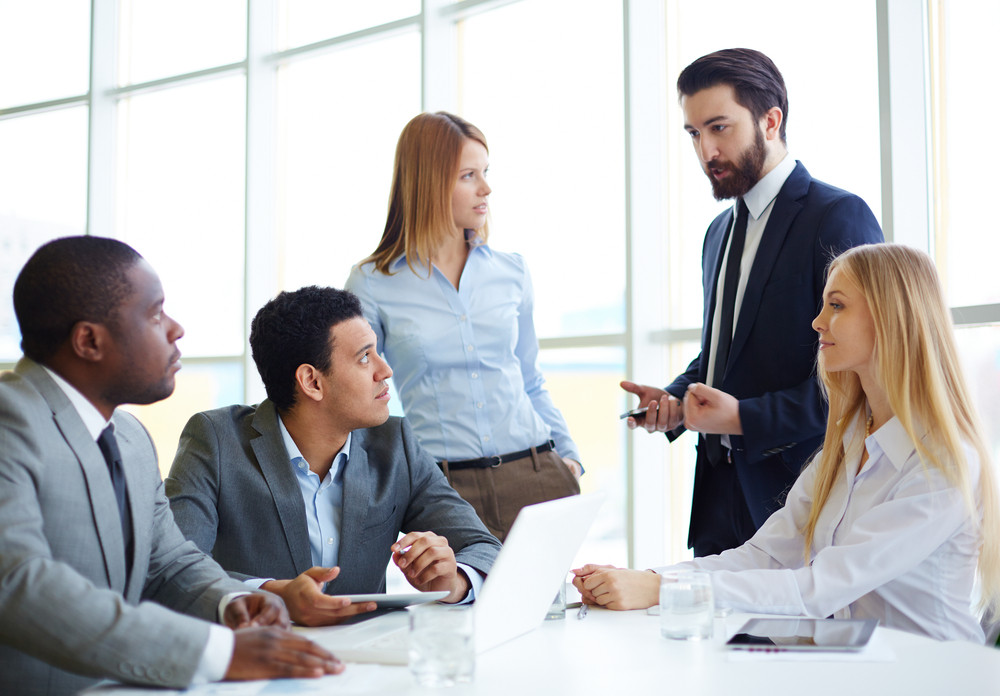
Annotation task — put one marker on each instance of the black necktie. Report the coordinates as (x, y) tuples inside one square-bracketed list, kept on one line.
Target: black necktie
[(727, 307), (728, 304), (109, 448)]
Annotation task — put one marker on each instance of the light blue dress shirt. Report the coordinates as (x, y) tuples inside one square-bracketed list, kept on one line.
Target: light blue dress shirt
[(465, 361), (324, 501)]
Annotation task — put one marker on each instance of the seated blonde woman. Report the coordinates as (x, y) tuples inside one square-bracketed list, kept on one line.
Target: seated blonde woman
[(893, 518)]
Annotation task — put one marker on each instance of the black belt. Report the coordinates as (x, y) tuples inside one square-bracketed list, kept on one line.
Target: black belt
[(497, 460)]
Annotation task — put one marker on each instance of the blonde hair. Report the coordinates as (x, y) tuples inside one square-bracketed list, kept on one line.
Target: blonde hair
[(916, 363), (424, 176)]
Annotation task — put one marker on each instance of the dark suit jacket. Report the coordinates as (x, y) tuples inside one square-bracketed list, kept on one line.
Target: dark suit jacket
[(772, 360), (65, 607), (233, 493)]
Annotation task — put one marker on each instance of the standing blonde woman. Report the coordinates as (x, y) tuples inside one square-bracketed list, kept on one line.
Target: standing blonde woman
[(892, 518), (453, 318)]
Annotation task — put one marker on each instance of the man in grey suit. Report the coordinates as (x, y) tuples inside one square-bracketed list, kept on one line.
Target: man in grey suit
[(91, 563), (305, 494)]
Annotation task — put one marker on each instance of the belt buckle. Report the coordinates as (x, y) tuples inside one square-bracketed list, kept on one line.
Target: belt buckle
[(499, 461)]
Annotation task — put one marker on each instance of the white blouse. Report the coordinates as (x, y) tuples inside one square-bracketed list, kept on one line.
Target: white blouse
[(895, 542)]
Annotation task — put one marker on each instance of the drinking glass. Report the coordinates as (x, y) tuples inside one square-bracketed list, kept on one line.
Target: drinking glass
[(686, 605), (442, 652), (557, 610)]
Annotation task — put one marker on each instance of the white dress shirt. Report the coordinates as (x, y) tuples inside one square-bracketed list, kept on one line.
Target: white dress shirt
[(219, 649), (895, 542)]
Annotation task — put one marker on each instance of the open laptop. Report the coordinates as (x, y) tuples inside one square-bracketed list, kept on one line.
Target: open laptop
[(518, 591)]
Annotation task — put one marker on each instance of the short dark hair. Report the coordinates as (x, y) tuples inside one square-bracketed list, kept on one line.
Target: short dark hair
[(294, 329), (754, 77), (67, 281)]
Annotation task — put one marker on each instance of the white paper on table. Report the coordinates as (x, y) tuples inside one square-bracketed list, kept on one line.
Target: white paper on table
[(356, 679)]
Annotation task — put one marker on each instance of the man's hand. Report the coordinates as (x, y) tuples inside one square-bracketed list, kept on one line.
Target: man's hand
[(617, 588), (709, 410), (307, 603), (266, 652), (428, 563), (255, 609), (663, 411), (574, 467)]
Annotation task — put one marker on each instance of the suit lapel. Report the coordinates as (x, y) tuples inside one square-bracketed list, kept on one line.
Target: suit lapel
[(100, 492), (274, 465), (786, 208), (356, 500), (713, 260), (140, 504)]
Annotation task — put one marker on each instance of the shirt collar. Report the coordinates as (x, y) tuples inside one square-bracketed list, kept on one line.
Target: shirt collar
[(766, 190), (894, 442), (476, 244), (91, 417), (293, 449), (890, 441), (399, 261)]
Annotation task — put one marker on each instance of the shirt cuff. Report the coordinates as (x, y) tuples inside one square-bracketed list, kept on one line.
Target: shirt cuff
[(255, 583), (219, 648), (224, 602), (217, 656), (475, 579)]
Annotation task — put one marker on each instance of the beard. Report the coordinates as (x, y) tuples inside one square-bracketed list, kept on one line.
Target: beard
[(744, 175)]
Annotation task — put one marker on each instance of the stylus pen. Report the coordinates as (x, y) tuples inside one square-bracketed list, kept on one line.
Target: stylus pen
[(582, 614)]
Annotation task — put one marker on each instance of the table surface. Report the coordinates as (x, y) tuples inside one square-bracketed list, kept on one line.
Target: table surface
[(623, 651)]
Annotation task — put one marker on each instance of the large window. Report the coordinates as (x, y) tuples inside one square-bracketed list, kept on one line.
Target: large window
[(559, 200), (965, 239), (336, 139), (43, 151), (44, 52), (246, 147), (43, 194)]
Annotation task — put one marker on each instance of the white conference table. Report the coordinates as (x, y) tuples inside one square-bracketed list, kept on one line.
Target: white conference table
[(623, 652)]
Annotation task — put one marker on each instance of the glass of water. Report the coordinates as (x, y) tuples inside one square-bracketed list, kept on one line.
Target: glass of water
[(687, 608), (557, 610), (442, 652)]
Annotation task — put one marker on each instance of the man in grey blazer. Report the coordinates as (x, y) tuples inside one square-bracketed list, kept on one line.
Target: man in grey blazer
[(93, 571), (305, 494)]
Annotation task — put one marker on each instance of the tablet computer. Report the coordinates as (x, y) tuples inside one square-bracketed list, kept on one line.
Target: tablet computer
[(396, 601), (827, 635)]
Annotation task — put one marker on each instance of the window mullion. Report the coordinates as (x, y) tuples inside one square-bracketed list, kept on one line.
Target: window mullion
[(905, 133), (102, 118), (261, 278), (438, 52)]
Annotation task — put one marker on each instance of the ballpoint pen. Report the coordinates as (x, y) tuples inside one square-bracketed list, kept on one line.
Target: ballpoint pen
[(582, 614)]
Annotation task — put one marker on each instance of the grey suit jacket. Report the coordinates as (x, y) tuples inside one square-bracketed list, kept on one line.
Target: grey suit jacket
[(233, 493), (65, 606)]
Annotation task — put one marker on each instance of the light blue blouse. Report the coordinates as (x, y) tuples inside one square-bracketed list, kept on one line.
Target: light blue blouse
[(465, 362)]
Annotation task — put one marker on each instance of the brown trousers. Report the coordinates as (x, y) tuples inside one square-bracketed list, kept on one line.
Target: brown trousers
[(499, 493)]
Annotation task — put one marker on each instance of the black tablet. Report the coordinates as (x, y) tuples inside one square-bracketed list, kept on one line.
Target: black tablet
[(829, 635)]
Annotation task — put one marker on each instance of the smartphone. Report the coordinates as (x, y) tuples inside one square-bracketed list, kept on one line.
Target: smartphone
[(635, 413)]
